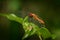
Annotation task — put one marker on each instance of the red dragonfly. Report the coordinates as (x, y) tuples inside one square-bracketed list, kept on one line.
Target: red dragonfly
[(36, 18)]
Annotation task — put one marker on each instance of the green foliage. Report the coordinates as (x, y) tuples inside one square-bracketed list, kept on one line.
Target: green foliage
[(13, 17), (45, 33), (29, 27)]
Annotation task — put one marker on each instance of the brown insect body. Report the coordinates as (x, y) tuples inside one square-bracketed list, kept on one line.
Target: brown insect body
[(36, 18)]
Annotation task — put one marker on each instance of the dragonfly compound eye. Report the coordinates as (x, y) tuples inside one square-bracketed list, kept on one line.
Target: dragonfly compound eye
[(30, 15)]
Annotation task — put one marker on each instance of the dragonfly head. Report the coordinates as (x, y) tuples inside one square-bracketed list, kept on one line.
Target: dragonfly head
[(30, 14)]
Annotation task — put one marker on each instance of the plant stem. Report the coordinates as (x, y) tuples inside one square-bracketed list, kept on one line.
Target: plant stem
[(40, 37)]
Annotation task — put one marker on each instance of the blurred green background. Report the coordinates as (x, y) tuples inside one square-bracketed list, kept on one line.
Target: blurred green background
[(48, 10)]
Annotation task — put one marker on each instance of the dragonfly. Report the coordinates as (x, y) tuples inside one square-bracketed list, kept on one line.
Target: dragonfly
[(33, 15)]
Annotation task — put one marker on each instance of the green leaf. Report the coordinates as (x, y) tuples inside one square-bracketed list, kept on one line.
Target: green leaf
[(34, 28), (13, 17), (30, 29), (45, 33), (25, 19)]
